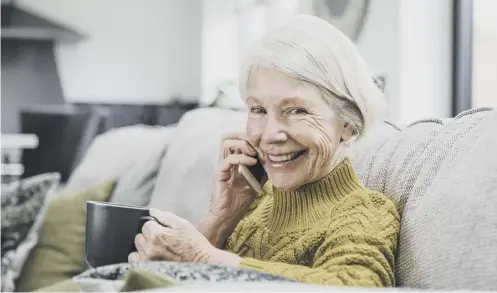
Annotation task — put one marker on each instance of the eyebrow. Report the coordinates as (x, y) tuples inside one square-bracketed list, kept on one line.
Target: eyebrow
[(252, 98), (283, 101), (293, 100)]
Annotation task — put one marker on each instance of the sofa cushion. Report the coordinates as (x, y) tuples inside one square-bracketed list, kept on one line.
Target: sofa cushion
[(449, 237), (24, 206), (443, 178), (364, 155), (60, 252), (136, 184), (185, 179), (130, 153)]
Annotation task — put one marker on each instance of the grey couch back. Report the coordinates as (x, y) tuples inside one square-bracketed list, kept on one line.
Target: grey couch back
[(442, 175)]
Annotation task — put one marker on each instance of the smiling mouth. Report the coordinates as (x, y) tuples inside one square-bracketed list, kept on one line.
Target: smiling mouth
[(287, 157)]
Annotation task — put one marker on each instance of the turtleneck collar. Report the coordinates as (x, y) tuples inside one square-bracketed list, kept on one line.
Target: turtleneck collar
[(307, 204)]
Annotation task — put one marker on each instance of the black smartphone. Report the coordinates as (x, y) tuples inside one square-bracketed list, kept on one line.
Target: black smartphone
[(254, 174)]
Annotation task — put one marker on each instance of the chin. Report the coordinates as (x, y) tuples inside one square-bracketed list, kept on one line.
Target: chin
[(285, 183)]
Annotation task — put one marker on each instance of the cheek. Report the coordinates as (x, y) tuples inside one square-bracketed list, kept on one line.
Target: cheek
[(321, 140), (254, 131)]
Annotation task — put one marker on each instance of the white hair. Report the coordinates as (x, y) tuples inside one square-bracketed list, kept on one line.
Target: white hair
[(311, 50)]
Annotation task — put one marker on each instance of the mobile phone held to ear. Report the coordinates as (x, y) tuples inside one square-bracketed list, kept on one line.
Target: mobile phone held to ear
[(254, 174)]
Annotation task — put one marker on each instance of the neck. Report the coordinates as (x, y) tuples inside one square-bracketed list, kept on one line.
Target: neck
[(301, 207)]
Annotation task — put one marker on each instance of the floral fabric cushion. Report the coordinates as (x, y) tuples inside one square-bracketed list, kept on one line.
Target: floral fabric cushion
[(23, 208), (160, 274), (181, 272)]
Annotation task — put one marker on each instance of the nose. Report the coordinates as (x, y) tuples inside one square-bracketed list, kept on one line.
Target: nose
[(274, 131)]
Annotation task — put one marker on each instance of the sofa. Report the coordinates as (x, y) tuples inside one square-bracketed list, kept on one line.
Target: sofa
[(441, 174)]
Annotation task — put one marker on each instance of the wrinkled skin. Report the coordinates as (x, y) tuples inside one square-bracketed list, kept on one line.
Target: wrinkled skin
[(285, 116), (232, 194), (176, 239)]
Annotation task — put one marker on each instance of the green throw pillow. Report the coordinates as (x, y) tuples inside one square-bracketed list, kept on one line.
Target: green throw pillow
[(139, 279), (59, 254)]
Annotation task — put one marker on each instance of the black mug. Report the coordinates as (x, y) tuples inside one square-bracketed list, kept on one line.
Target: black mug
[(110, 232)]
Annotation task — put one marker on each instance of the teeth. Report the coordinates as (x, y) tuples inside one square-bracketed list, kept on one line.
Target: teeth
[(280, 158), (284, 158)]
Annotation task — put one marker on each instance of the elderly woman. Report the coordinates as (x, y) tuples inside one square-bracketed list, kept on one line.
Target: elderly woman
[(309, 95)]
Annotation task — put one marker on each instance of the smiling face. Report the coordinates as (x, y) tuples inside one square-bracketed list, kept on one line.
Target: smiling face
[(295, 131)]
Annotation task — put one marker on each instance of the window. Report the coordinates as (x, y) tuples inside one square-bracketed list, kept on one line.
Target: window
[(229, 29), (484, 87)]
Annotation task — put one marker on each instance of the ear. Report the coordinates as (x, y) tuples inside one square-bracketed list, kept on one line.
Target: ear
[(347, 132)]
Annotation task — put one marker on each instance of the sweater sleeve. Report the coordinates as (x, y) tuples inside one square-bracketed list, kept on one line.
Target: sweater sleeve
[(359, 251)]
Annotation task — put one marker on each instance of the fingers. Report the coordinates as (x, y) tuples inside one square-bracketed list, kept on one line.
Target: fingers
[(136, 257), (236, 140), (150, 244), (236, 150), (152, 229), (140, 242), (237, 159), (133, 257), (168, 219), (231, 146), (235, 135)]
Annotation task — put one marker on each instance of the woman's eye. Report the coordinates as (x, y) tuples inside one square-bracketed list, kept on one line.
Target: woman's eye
[(297, 111), (257, 110)]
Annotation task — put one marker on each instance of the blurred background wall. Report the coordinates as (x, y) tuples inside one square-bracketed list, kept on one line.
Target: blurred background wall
[(151, 51), (72, 69), (136, 51)]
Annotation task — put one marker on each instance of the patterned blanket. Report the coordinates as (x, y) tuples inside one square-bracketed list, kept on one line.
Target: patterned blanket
[(150, 275)]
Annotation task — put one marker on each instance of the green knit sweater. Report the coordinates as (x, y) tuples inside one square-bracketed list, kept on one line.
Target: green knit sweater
[(331, 232)]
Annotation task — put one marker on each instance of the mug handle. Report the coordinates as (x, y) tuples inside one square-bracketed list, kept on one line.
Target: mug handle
[(150, 218)]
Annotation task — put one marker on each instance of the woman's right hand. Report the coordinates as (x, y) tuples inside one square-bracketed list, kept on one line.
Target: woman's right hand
[(232, 194)]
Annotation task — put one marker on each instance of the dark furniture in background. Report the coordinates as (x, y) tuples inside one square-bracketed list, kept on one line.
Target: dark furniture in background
[(120, 115), (62, 132), (66, 131)]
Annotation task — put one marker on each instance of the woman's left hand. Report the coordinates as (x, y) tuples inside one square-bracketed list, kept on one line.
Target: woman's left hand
[(176, 239)]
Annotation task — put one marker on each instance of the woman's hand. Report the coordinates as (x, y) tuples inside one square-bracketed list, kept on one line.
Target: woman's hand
[(176, 239), (232, 194)]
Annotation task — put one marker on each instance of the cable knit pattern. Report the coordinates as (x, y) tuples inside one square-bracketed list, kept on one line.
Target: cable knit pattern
[(332, 232)]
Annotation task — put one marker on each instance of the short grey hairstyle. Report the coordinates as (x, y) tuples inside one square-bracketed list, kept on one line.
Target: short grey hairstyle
[(313, 51)]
